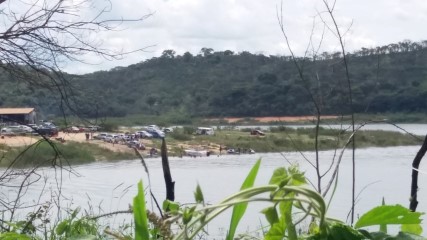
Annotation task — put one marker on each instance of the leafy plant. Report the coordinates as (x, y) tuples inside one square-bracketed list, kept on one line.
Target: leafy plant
[(77, 228), (292, 203), (409, 222), (239, 209)]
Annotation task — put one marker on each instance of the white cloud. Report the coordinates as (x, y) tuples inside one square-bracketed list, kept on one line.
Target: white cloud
[(251, 25)]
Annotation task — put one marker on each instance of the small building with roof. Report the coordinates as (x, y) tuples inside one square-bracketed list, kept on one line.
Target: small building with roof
[(18, 115)]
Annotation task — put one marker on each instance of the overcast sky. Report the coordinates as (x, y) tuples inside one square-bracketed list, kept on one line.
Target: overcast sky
[(252, 25)]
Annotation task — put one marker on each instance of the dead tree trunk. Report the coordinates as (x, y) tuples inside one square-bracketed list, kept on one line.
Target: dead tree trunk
[(414, 184), (170, 185)]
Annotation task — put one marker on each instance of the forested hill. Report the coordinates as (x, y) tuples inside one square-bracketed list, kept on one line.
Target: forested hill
[(391, 78)]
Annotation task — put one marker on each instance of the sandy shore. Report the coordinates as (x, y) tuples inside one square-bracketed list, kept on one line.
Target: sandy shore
[(22, 141)]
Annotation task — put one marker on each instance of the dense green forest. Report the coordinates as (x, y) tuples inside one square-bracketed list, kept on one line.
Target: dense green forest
[(385, 79)]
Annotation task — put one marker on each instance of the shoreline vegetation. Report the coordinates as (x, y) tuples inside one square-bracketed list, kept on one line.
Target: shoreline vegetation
[(186, 120), (77, 150)]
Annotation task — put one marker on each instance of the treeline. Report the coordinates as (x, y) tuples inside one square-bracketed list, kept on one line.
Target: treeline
[(391, 78)]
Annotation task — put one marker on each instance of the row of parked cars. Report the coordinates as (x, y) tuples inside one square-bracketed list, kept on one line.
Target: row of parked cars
[(45, 128), (126, 139), (132, 139), (115, 137), (78, 129)]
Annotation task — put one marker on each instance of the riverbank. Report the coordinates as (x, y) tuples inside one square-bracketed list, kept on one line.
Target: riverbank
[(75, 148)]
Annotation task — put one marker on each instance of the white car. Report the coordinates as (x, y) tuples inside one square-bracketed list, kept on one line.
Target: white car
[(26, 129), (112, 138), (144, 134), (167, 130), (151, 128), (20, 129), (6, 132), (101, 136)]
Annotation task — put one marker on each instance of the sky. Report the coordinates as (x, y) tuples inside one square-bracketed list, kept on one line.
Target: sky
[(252, 25)]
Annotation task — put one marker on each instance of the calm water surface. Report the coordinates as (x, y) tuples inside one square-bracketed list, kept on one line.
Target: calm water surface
[(417, 129), (381, 172)]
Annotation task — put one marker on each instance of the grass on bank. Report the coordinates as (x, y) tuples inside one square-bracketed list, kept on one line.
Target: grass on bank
[(45, 154), (287, 139), (278, 139), (172, 119)]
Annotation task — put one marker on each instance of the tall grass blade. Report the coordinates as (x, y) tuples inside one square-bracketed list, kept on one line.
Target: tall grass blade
[(239, 209), (140, 215)]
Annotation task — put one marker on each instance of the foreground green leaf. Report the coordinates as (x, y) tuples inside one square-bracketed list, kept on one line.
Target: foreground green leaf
[(62, 227), (239, 209), (291, 176), (140, 214), (198, 195), (406, 236), (13, 236), (387, 214), (339, 232), (276, 231), (169, 206), (271, 215), (412, 228)]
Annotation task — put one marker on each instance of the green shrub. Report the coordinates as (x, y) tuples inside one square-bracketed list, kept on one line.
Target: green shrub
[(188, 130), (180, 136), (281, 129), (109, 126)]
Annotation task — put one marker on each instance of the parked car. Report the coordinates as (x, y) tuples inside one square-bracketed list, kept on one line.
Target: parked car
[(135, 144), (126, 138), (167, 130), (93, 128), (257, 132), (18, 130), (100, 136), (26, 129), (47, 131), (72, 129), (205, 131), (109, 138), (33, 126), (144, 134), (157, 134), (48, 124), (151, 128), (231, 151), (7, 132)]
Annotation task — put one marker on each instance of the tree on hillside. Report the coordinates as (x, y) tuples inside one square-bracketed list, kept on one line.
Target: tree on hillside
[(206, 51), (169, 53)]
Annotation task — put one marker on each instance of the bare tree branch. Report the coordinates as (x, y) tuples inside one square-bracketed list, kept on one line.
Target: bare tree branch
[(37, 38)]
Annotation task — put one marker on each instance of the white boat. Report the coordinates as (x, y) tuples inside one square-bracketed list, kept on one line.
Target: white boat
[(195, 153)]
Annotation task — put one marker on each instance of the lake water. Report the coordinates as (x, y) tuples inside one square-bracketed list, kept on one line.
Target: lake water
[(381, 172), (416, 129)]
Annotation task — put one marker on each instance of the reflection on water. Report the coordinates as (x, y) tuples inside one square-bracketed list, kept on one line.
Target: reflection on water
[(381, 172)]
